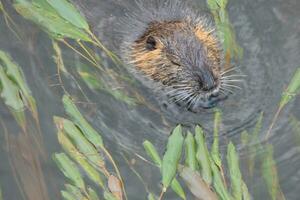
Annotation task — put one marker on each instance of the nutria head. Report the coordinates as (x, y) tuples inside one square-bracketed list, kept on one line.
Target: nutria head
[(179, 51)]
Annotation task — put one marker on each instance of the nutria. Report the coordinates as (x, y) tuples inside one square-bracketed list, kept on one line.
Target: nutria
[(173, 50)]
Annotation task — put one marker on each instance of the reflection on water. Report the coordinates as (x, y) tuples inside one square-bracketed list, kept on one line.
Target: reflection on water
[(270, 36)]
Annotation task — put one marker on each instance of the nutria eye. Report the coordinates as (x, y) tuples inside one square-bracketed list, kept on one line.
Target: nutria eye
[(150, 43)]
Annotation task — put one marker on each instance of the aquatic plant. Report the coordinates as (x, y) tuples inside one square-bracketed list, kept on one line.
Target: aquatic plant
[(225, 30)]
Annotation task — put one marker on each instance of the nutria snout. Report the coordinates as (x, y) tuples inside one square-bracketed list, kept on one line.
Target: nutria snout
[(177, 50)]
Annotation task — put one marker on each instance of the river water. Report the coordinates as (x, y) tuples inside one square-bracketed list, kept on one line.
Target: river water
[(269, 33)]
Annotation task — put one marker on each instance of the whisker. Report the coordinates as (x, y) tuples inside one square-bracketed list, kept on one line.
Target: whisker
[(229, 70), (234, 75), (226, 89), (233, 80), (233, 86)]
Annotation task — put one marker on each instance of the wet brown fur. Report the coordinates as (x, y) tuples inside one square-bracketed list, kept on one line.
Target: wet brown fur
[(148, 61)]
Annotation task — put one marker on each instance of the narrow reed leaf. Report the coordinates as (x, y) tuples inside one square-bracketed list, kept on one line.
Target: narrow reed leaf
[(292, 90), (269, 173), (92, 194), (69, 169), (172, 156), (218, 183), (296, 128), (234, 172), (153, 154), (73, 152), (196, 184), (203, 156), (80, 142), (89, 132), (215, 154), (69, 13), (190, 152), (67, 196)]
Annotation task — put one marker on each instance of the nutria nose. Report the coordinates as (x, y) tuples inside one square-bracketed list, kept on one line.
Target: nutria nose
[(206, 80)]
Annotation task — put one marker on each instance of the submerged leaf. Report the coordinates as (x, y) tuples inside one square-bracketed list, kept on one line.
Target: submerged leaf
[(203, 155), (269, 172), (172, 156), (196, 184), (69, 169)]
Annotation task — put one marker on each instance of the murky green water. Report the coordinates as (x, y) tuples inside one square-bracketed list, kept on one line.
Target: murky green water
[(268, 31)]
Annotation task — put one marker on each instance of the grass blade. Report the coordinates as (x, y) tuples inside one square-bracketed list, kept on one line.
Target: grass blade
[(234, 171), (203, 155)]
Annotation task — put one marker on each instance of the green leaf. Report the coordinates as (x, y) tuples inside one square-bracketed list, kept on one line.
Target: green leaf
[(89, 132), (218, 183), (109, 196), (69, 12), (67, 196), (10, 92), (153, 154), (11, 95), (234, 172), (215, 154), (75, 191), (50, 22), (172, 156), (196, 184), (190, 152), (15, 74), (69, 169), (80, 142), (92, 194), (203, 155), (73, 152), (292, 90)]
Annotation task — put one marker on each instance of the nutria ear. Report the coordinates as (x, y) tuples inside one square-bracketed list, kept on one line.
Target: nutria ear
[(151, 43)]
